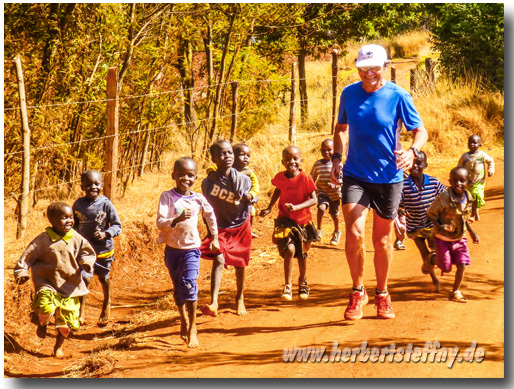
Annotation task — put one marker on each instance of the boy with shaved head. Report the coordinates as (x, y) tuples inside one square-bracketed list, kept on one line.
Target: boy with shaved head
[(294, 231)]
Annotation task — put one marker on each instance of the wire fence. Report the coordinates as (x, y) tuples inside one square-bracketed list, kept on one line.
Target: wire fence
[(197, 122)]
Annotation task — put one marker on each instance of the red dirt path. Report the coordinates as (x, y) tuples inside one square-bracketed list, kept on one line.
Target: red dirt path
[(252, 346)]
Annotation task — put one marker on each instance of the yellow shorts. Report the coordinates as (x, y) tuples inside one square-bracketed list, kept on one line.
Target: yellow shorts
[(66, 309)]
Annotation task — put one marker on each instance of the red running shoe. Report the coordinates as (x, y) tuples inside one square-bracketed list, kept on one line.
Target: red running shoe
[(384, 307), (354, 309)]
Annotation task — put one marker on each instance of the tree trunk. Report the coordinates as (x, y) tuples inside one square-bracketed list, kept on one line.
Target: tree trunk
[(304, 100)]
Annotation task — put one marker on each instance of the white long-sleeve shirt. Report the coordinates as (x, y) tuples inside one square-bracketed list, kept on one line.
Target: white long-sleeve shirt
[(185, 234)]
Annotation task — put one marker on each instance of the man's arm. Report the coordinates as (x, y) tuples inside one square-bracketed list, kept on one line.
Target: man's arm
[(405, 158)]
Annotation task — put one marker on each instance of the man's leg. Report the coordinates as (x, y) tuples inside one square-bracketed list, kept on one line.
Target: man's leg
[(383, 245), (355, 222)]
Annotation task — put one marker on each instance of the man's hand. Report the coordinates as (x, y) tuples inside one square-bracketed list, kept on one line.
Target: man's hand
[(404, 159), (335, 172)]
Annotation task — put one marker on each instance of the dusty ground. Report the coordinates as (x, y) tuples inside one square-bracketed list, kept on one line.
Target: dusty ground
[(143, 341)]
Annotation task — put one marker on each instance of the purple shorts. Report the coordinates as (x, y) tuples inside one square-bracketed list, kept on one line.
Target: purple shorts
[(449, 253), (184, 267)]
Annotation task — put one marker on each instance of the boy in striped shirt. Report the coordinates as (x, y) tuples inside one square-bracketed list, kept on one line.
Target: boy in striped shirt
[(419, 192), (329, 195)]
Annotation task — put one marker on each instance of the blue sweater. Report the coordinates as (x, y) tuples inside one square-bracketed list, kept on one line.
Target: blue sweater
[(101, 215)]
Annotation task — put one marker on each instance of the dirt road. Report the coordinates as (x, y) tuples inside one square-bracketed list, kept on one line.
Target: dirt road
[(147, 344)]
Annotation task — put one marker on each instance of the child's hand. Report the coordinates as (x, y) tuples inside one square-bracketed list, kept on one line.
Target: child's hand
[(186, 214), (448, 227), (290, 207), (248, 197), (87, 267), (213, 176), (489, 174), (22, 280), (264, 212), (215, 244), (475, 237), (100, 235)]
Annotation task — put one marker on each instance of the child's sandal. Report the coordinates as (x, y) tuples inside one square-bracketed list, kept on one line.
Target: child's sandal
[(458, 297)]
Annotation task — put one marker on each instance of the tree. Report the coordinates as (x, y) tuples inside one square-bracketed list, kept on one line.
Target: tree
[(470, 38)]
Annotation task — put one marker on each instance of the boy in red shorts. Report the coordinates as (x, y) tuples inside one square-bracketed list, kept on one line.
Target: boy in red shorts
[(233, 221), (294, 230)]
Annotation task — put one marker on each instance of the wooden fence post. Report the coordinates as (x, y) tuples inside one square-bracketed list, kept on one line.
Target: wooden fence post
[(335, 68), (23, 201), (429, 67), (111, 150), (393, 74), (413, 86), (292, 107), (233, 127)]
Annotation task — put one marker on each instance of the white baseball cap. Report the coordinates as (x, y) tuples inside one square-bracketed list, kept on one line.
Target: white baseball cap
[(371, 55)]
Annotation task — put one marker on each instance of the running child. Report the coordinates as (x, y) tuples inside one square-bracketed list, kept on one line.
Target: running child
[(419, 192), (475, 160), (233, 221), (96, 220), (177, 221), (55, 258), (450, 213), (294, 230), (241, 161), (329, 195)]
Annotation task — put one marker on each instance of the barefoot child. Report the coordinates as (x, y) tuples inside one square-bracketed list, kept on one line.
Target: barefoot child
[(329, 195), (450, 213), (241, 161), (294, 230), (54, 258), (233, 220), (177, 221), (419, 192), (96, 220), (475, 160)]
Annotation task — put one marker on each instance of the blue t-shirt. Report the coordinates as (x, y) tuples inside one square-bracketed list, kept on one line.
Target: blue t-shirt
[(374, 130)]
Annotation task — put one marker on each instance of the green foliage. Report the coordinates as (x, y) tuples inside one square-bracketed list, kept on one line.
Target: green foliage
[(470, 37)]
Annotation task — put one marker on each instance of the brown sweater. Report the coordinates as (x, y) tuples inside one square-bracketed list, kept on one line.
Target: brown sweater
[(54, 262)]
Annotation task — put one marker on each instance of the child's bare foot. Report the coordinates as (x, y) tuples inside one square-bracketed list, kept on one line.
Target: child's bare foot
[(210, 310), (58, 353), (41, 331), (104, 316), (240, 307), (193, 340), (183, 330)]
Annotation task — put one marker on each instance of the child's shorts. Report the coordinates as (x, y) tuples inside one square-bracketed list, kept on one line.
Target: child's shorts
[(66, 309), (101, 268), (235, 245), (477, 190), (332, 205), (184, 267), (423, 233), (449, 253), (286, 231)]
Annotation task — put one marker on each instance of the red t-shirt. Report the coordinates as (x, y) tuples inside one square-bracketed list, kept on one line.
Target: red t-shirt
[(294, 190)]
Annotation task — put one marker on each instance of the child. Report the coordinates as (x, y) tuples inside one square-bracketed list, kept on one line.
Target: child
[(177, 221), (450, 214), (54, 258), (96, 220), (475, 161), (419, 191), (233, 221), (329, 195), (241, 161), (294, 230)]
